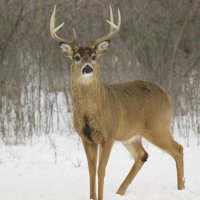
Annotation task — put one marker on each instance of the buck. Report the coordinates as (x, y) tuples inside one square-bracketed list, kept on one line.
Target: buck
[(124, 112)]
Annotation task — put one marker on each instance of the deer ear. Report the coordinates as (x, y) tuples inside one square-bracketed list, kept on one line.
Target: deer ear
[(102, 47), (66, 49)]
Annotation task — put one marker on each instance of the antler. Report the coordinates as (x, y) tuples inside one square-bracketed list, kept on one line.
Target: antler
[(114, 29), (54, 29)]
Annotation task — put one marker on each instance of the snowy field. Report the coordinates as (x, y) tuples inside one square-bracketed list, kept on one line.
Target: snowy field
[(54, 168)]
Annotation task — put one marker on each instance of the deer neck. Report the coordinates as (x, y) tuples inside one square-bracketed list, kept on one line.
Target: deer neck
[(88, 98)]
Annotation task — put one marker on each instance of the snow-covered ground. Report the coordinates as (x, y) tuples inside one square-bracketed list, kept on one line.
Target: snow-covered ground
[(54, 168)]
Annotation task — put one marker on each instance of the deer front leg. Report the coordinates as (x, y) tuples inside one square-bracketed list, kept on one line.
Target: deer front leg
[(91, 153), (104, 154)]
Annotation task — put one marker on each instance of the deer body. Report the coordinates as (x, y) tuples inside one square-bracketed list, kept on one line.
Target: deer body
[(120, 111), (124, 112)]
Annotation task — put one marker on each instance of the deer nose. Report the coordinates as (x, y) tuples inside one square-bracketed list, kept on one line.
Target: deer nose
[(87, 69)]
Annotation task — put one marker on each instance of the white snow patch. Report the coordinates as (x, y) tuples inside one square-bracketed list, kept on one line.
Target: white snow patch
[(55, 167)]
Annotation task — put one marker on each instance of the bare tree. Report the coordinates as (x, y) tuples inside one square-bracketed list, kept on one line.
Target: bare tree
[(159, 41)]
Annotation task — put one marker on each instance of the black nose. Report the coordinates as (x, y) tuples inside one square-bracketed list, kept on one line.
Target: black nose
[(87, 69)]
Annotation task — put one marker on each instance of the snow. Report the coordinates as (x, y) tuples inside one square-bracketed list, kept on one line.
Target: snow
[(54, 167)]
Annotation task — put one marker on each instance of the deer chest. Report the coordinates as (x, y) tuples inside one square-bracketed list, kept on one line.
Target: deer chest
[(90, 128)]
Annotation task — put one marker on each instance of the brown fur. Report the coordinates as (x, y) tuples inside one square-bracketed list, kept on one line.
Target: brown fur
[(85, 51)]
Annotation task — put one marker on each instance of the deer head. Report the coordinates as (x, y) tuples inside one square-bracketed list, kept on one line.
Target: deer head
[(85, 67)]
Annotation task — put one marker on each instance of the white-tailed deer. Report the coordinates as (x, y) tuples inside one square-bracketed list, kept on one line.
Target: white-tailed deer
[(124, 112)]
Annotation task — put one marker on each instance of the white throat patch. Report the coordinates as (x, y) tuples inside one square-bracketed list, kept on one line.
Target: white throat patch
[(85, 78)]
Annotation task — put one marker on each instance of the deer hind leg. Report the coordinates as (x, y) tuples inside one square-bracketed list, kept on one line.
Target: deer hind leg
[(168, 144), (178, 156), (140, 156)]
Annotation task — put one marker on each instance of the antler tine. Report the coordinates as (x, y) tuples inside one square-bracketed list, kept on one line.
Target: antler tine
[(111, 18), (73, 41), (119, 18), (114, 29), (54, 29)]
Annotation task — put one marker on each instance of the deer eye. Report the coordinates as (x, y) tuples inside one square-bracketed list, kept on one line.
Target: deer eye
[(77, 58), (93, 57)]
